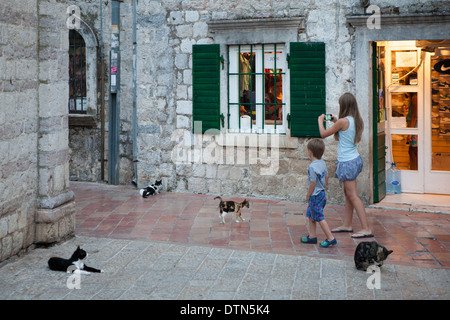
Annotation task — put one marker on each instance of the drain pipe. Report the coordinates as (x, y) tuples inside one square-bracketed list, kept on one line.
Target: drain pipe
[(102, 97), (135, 125), (114, 95)]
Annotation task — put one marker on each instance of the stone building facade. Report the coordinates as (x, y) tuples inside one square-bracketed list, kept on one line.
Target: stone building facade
[(36, 204), (43, 145), (229, 162)]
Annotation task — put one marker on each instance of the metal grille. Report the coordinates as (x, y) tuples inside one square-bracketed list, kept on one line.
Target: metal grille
[(270, 103), (77, 73)]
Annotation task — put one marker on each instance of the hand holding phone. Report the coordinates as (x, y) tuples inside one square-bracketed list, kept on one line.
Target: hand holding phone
[(328, 117)]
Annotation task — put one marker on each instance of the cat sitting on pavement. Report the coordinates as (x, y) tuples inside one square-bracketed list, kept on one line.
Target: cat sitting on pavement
[(151, 189), (370, 253)]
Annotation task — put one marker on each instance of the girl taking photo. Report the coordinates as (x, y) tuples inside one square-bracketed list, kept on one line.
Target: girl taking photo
[(348, 131)]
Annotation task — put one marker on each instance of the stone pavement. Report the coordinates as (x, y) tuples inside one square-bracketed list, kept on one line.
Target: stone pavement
[(135, 269), (417, 238), (167, 247)]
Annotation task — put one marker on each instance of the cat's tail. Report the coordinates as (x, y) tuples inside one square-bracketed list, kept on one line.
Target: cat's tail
[(219, 202)]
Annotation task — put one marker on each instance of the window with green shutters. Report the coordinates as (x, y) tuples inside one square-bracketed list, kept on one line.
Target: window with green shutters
[(306, 63), (206, 87)]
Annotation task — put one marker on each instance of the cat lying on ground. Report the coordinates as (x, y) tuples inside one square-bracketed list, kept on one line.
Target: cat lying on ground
[(61, 264)]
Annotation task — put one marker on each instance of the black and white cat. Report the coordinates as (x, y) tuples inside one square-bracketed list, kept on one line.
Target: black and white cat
[(61, 264), (370, 253), (150, 189)]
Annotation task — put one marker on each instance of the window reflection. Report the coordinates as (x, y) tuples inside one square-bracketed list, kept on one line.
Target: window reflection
[(404, 151)]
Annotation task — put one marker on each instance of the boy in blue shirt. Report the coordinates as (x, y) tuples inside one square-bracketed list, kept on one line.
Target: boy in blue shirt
[(317, 183)]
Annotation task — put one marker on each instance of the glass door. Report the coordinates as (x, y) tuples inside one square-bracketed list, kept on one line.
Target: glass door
[(404, 112)]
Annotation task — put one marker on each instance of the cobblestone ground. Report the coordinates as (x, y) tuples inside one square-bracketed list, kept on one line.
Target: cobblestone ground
[(136, 269)]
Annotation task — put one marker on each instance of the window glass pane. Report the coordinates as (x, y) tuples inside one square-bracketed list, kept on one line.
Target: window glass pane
[(440, 114), (404, 61), (247, 84), (273, 97), (77, 73), (404, 110), (404, 151)]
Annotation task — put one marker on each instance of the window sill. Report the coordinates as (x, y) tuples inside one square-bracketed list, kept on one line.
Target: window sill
[(255, 140), (85, 121)]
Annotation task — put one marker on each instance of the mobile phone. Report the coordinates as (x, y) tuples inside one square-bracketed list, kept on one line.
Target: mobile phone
[(328, 117)]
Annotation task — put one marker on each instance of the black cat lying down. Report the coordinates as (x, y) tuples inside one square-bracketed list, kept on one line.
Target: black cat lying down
[(61, 264), (370, 253)]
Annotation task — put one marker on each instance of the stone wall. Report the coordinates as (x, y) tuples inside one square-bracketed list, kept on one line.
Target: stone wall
[(55, 216), (18, 125), (166, 32), (35, 201)]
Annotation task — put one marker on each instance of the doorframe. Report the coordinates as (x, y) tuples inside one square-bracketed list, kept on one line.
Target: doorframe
[(393, 27), (378, 133)]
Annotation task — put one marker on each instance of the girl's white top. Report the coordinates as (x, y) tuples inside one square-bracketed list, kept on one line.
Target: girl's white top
[(347, 149)]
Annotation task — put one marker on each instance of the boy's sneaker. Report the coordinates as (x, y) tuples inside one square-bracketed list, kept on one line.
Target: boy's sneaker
[(326, 243), (307, 239)]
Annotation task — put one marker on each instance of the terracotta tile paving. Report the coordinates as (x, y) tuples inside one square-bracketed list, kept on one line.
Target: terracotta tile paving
[(419, 239)]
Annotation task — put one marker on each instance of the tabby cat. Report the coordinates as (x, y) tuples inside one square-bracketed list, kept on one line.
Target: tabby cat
[(370, 253)]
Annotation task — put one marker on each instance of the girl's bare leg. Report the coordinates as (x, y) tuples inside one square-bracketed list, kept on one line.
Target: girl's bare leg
[(351, 195), (348, 216)]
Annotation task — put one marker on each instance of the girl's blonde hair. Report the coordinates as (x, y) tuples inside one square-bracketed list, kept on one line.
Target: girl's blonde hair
[(349, 107)]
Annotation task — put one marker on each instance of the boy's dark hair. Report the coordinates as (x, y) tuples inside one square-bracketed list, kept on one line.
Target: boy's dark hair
[(317, 147)]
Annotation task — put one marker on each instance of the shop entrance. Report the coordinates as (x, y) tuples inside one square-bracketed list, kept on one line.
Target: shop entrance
[(414, 111)]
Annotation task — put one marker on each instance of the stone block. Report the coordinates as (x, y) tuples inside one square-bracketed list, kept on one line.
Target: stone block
[(191, 16), (211, 171), (199, 170), (184, 31), (53, 99), (183, 122), (17, 242), (214, 186), (187, 77), (197, 185), (200, 29), (6, 247), (186, 45), (46, 233), (181, 61), (3, 226), (184, 107), (53, 225), (223, 173), (235, 173), (175, 17)]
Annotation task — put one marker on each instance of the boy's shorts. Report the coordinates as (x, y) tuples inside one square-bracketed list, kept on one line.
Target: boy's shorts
[(315, 207)]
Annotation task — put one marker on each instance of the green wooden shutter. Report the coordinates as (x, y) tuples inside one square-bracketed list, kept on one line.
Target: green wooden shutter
[(206, 87), (307, 85)]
